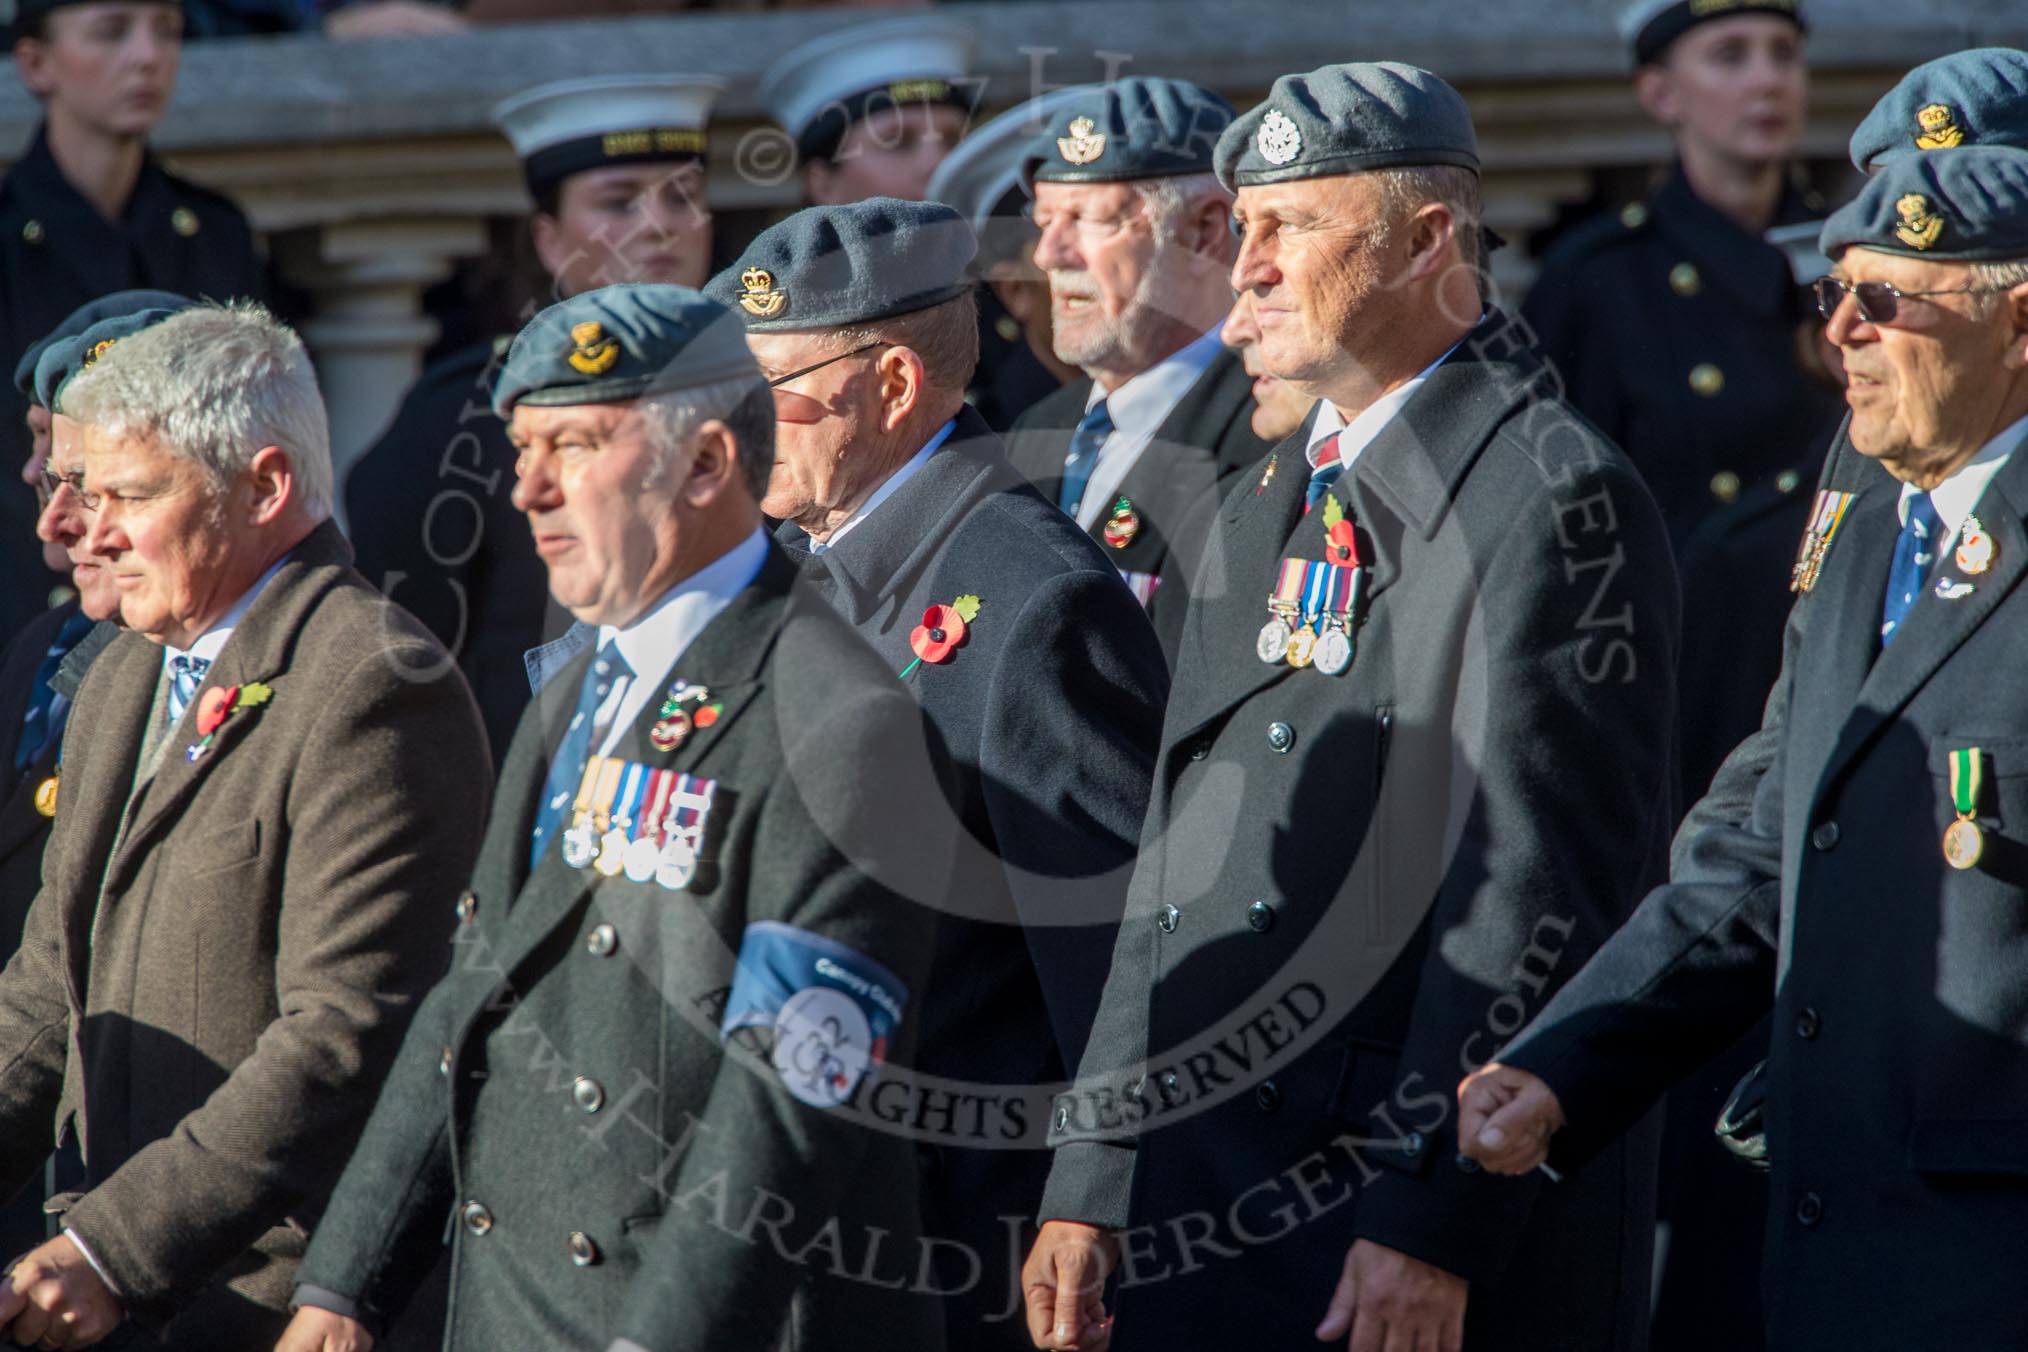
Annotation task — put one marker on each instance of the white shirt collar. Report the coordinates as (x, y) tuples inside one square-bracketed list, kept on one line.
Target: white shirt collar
[(1141, 402), (1956, 496), (887, 489), (1357, 435), (211, 642)]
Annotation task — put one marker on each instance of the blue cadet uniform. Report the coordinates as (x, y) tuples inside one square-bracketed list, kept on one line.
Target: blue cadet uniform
[(1148, 491), (429, 505), (1867, 895), (1379, 836), (1041, 677), (686, 958)]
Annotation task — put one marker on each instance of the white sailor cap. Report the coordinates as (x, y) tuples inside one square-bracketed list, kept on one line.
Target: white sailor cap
[(821, 88), (570, 126)]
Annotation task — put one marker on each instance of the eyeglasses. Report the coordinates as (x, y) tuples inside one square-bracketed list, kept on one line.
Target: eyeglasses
[(74, 481), (780, 381), (1880, 301)]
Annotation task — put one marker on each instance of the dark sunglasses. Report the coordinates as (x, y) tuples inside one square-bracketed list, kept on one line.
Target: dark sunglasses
[(1879, 302)]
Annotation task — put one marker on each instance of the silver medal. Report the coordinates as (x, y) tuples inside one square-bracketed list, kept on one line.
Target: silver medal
[(1334, 652), (678, 864), (580, 846), (1273, 643), (642, 858)]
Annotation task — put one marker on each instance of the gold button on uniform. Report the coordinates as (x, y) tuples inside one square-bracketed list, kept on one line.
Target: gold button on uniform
[(1787, 481), (1725, 485), (183, 221), (1706, 379), (583, 1251), (32, 233), (1685, 281), (1633, 215)]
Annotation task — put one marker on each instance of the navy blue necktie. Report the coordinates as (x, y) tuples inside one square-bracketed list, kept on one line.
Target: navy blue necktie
[(1329, 470), (1085, 443), (559, 791), (1914, 550), (43, 723)]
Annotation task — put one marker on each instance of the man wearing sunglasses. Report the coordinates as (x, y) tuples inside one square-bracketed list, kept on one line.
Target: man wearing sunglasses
[(1871, 898), (1031, 659)]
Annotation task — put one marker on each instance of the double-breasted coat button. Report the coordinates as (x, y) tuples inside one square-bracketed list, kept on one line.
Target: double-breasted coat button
[(588, 1093), (468, 906), (1825, 837), (1261, 916), (478, 1219), (184, 222), (1725, 485), (1267, 1096), (1171, 1086), (444, 1060), (1062, 1119), (1199, 750), (1166, 919), (1281, 737), (1684, 280), (602, 942), (583, 1251), (1413, 1143), (32, 233), (1706, 379), (1787, 481), (1808, 1024), (1811, 1209), (1633, 215)]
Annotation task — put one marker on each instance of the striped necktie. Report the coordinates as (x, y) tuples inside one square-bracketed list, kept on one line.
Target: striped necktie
[(1328, 471), (186, 676)]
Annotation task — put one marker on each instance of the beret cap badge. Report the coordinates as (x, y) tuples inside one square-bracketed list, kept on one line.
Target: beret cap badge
[(1084, 144), (757, 293), (99, 349), (1937, 128), (595, 353), (1920, 225), (1278, 139)]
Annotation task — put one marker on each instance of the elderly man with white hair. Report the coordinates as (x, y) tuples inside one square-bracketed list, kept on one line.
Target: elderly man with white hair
[(272, 790)]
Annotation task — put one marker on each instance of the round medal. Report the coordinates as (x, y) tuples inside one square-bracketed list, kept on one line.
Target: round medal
[(641, 860), (580, 847), (669, 732), (1302, 647), (1273, 643), (678, 865), (45, 797), (1975, 548), (612, 853), (1963, 843), (1334, 652)]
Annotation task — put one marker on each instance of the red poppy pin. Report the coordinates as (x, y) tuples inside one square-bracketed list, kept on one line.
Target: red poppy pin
[(942, 629), (1341, 544), (218, 703)]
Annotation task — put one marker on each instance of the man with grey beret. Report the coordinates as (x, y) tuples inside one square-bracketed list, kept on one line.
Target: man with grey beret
[(1380, 833), (1136, 243), (1870, 898), (1032, 662), (689, 944)]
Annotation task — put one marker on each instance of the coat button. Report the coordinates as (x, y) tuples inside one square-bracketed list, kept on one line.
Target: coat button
[(1811, 1209), (602, 942), (32, 233), (589, 1094), (1825, 836), (1807, 1024), (1413, 1143), (444, 1060), (184, 222), (1166, 919), (1707, 379), (1199, 750), (1261, 916), (1267, 1096), (1725, 485), (478, 1219), (468, 906), (1063, 1119), (1171, 1086), (1281, 737), (582, 1251), (1684, 281)]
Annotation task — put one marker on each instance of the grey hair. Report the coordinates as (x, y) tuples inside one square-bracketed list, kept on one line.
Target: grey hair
[(1404, 191), (746, 407), (215, 384), (945, 336), (1168, 200), (2003, 276)]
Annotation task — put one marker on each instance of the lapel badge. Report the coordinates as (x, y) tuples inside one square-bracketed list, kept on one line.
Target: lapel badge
[(45, 797), (1975, 548), (595, 353), (758, 294), (942, 629), (1278, 140), (215, 705), (1267, 476), (683, 710), (1920, 225), (1084, 144), (1936, 128), (1122, 525), (1950, 589)]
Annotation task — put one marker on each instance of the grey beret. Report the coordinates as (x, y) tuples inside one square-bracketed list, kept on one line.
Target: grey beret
[(1970, 206), (622, 342), (981, 179), (1970, 98), (82, 318), (826, 267), (68, 358), (1139, 127), (1344, 120), (1651, 25)]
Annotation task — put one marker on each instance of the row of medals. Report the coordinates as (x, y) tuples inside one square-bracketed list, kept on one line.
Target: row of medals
[(1281, 640), (669, 860)]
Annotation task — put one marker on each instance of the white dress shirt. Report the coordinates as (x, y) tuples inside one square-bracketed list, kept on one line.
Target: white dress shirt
[(1138, 408), (886, 489), (1955, 498), (654, 643), (1357, 435), (211, 642)]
